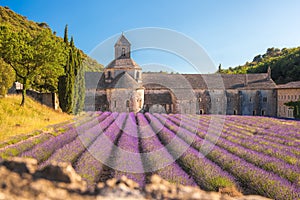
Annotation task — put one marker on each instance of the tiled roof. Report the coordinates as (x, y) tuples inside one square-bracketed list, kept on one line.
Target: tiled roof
[(207, 81), (123, 63), (186, 81), (122, 41), (124, 80), (295, 84)]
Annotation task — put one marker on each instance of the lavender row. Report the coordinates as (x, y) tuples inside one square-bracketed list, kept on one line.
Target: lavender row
[(207, 174), (279, 129), (156, 158), (264, 138), (269, 126), (91, 165), (43, 151), (25, 145), (257, 132), (290, 172), (263, 182), (76, 122), (18, 148), (70, 152), (248, 142), (128, 159)]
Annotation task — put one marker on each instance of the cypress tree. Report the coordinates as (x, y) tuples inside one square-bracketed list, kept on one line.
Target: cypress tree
[(66, 82), (72, 84), (79, 85), (66, 39)]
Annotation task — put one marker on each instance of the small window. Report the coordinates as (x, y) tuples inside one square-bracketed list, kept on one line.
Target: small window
[(127, 104), (288, 96), (115, 104), (235, 112), (123, 52), (250, 100), (201, 111), (263, 113), (109, 74), (137, 75), (218, 99), (265, 99), (200, 99), (253, 112)]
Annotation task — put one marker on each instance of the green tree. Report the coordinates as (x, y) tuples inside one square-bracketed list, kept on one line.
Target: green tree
[(30, 55), (72, 84), (7, 77), (66, 39), (79, 94)]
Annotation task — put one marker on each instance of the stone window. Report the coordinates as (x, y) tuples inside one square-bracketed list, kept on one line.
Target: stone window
[(137, 75), (123, 52), (235, 112), (253, 112), (265, 99), (109, 74), (127, 104), (263, 112), (200, 99), (288, 96), (201, 111), (115, 104), (250, 100)]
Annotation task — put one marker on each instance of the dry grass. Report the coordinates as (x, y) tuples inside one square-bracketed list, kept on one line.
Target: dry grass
[(17, 121)]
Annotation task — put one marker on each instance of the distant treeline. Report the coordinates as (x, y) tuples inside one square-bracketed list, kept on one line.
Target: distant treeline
[(284, 63)]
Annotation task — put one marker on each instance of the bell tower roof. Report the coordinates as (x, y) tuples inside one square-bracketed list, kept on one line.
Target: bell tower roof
[(122, 41)]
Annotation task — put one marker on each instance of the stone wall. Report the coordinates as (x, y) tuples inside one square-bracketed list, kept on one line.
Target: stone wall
[(125, 100), (284, 96), (48, 99), (258, 102)]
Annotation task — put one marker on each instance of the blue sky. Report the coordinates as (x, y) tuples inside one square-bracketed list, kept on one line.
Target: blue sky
[(230, 31)]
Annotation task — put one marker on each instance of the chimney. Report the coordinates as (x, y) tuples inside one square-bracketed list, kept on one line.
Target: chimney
[(246, 80), (269, 73)]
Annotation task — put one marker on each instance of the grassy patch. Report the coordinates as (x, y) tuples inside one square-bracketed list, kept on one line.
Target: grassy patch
[(16, 121)]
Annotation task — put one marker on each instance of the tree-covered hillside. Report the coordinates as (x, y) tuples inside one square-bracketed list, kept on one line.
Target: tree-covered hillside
[(285, 65), (91, 65), (38, 58)]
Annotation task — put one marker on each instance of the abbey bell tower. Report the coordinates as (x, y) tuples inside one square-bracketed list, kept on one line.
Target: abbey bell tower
[(122, 48)]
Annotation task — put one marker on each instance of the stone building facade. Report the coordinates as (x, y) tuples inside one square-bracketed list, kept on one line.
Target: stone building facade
[(287, 93), (122, 87)]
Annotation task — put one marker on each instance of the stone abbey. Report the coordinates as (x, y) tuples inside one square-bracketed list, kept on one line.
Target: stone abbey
[(123, 87)]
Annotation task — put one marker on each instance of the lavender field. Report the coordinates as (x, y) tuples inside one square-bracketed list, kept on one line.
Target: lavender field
[(257, 155)]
